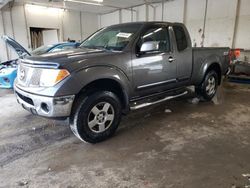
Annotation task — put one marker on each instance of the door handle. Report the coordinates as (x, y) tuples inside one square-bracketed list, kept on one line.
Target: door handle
[(170, 59)]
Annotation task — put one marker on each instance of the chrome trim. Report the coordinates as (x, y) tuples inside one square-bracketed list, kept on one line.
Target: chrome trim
[(156, 83), (171, 59), (228, 71), (58, 106), (156, 102), (39, 64)]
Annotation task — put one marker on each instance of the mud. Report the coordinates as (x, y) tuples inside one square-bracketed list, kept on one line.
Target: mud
[(202, 145)]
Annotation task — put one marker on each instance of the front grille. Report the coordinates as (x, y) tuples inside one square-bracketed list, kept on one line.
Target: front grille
[(26, 99), (35, 77), (28, 76)]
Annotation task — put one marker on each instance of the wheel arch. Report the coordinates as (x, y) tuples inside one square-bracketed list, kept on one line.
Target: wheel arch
[(217, 68), (107, 84), (205, 68)]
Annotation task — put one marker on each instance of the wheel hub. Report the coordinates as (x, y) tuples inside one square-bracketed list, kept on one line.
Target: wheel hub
[(211, 86), (101, 117)]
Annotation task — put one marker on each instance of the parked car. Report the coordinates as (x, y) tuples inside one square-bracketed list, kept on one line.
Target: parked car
[(8, 70), (118, 69)]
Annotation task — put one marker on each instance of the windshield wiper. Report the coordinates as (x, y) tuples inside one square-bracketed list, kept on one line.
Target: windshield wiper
[(96, 47), (92, 47)]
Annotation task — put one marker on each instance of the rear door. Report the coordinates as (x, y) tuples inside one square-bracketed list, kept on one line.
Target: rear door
[(154, 71)]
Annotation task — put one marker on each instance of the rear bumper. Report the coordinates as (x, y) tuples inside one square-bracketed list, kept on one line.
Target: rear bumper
[(51, 107)]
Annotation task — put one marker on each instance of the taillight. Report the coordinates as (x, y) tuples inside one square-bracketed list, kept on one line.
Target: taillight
[(237, 53), (234, 54)]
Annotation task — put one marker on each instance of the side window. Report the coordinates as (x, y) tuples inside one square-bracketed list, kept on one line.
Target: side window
[(181, 39), (157, 34)]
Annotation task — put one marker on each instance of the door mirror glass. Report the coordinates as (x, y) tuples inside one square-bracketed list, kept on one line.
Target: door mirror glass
[(150, 46)]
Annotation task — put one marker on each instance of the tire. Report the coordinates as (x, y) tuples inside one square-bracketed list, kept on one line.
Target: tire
[(208, 88), (96, 117)]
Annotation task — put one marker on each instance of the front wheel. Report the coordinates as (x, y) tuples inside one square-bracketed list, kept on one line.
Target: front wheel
[(208, 88), (96, 117)]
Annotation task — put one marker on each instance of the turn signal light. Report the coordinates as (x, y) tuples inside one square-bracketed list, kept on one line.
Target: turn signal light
[(61, 75)]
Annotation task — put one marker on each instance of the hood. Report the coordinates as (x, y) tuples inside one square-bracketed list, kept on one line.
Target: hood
[(20, 50), (73, 59)]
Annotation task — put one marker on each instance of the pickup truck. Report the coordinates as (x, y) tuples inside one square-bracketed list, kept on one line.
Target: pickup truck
[(118, 69)]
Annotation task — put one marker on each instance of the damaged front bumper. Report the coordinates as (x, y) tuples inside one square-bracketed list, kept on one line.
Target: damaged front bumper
[(50, 107)]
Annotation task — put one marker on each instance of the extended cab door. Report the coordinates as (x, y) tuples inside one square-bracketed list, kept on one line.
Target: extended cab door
[(154, 71), (183, 53)]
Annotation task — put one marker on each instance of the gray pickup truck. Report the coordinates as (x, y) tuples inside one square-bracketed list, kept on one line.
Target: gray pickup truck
[(117, 69)]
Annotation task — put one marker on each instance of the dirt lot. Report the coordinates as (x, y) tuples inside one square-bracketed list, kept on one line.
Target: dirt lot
[(175, 145)]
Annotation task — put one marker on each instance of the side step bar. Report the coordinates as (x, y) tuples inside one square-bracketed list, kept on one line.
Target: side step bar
[(156, 102)]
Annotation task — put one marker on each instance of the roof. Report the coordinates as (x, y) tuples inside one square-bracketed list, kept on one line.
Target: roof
[(147, 23)]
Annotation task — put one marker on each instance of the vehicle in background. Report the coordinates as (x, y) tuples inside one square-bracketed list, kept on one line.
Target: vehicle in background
[(240, 67), (8, 70), (54, 48), (119, 68)]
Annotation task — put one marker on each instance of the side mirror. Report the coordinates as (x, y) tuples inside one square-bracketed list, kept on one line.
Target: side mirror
[(150, 46)]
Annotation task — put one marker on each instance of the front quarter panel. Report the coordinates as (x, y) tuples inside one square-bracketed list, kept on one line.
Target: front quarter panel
[(85, 76)]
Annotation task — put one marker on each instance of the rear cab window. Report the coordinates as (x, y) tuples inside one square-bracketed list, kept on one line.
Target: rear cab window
[(180, 37)]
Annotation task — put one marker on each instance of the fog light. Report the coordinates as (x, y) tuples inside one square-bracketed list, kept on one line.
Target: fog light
[(45, 107), (63, 100), (6, 80)]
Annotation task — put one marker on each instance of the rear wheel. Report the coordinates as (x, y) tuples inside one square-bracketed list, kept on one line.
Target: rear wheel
[(208, 88), (96, 116)]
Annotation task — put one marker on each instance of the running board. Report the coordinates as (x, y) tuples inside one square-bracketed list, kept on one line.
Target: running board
[(156, 102)]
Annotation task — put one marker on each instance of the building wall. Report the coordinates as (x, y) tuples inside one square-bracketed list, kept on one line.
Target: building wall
[(126, 16), (220, 21), (220, 27), (242, 39), (141, 13), (109, 19), (89, 24), (68, 23), (173, 11), (3, 52), (71, 29)]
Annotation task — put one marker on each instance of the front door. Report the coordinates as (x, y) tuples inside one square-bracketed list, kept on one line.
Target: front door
[(154, 71)]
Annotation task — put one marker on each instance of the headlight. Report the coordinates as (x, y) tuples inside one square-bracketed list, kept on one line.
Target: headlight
[(50, 77)]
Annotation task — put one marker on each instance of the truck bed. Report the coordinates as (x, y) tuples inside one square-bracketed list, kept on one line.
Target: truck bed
[(201, 55)]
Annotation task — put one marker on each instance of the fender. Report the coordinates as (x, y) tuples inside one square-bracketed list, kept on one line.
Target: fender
[(81, 78), (205, 64), (93, 73)]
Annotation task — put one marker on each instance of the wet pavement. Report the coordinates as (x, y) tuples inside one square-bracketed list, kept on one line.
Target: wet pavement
[(177, 144)]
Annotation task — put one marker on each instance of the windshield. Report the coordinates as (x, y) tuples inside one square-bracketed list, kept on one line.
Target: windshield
[(112, 38), (41, 50)]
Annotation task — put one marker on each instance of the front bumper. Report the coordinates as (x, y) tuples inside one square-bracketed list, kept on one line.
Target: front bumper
[(51, 107)]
